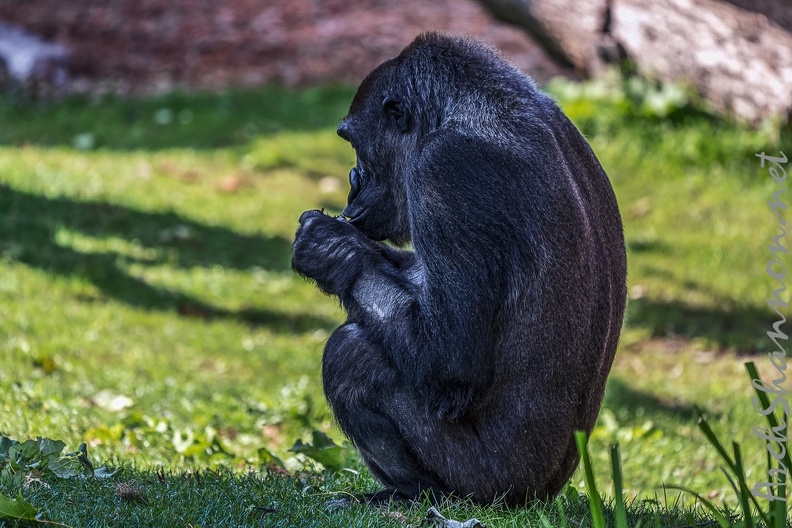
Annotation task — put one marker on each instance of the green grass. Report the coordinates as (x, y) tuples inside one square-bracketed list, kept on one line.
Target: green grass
[(147, 306), (194, 121), (222, 498)]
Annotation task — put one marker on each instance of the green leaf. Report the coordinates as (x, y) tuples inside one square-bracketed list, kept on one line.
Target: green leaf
[(25, 454), (5, 445), (105, 434), (545, 522), (133, 420), (266, 457), (74, 464), (777, 510), (67, 467), (323, 450), (82, 456), (50, 447), (16, 508)]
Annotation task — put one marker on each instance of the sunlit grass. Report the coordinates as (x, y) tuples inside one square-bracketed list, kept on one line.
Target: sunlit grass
[(155, 265)]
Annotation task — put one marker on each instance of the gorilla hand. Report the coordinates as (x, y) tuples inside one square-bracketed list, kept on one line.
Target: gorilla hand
[(328, 250)]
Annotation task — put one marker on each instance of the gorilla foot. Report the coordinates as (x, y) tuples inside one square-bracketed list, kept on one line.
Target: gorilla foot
[(378, 498), (384, 496)]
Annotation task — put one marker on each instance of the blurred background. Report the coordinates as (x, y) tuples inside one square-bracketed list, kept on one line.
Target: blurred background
[(153, 46), (735, 52), (155, 157)]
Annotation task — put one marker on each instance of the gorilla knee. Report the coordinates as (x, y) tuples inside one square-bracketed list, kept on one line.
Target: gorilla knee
[(354, 370), (344, 351)]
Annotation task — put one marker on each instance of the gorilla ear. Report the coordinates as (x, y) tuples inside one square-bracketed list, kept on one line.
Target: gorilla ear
[(397, 113)]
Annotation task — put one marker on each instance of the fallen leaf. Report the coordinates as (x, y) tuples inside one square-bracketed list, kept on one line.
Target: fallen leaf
[(435, 519), (34, 477), (16, 508), (130, 493), (104, 473), (396, 516)]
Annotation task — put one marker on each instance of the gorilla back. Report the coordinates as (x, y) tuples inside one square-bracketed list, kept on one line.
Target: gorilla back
[(466, 364)]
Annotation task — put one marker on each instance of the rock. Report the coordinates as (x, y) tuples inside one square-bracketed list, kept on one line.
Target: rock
[(28, 61)]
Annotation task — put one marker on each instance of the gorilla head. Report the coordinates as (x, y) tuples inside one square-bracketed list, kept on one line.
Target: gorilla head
[(378, 127), (466, 365)]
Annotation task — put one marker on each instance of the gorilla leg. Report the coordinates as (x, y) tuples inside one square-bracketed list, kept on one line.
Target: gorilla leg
[(369, 400), (410, 450)]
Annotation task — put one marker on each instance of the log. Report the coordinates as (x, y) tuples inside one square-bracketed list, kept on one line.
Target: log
[(570, 30), (739, 60), (736, 53)]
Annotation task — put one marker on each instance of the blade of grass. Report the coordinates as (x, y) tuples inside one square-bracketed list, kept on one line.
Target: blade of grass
[(545, 522), (561, 512), (741, 487), (745, 496), (731, 481), (777, 509), (595, 501), (713, 440), (618, 487), (772, 420), (721, 519)]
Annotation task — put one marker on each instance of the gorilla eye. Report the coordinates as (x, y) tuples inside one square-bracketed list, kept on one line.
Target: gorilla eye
[(397, 113)]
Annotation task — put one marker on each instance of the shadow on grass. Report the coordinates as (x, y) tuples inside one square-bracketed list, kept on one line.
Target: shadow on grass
[(29, 223), (725, 324), (730, 326), (619, 395)]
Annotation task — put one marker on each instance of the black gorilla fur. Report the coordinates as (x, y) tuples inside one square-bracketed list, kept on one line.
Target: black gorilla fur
[(466, 365)]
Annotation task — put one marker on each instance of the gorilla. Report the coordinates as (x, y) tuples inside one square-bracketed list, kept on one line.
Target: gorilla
[(467, 361)]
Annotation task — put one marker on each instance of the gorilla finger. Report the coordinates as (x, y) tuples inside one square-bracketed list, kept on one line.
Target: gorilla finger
[(308, 215)]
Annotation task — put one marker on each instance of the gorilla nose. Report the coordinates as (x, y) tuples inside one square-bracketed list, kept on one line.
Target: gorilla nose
[(343, 130), (355, 183)]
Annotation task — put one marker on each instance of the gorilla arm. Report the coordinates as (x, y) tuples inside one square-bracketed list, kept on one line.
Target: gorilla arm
[(433, 312)]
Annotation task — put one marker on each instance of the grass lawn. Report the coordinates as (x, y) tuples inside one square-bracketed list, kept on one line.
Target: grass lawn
[(148, 308)]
